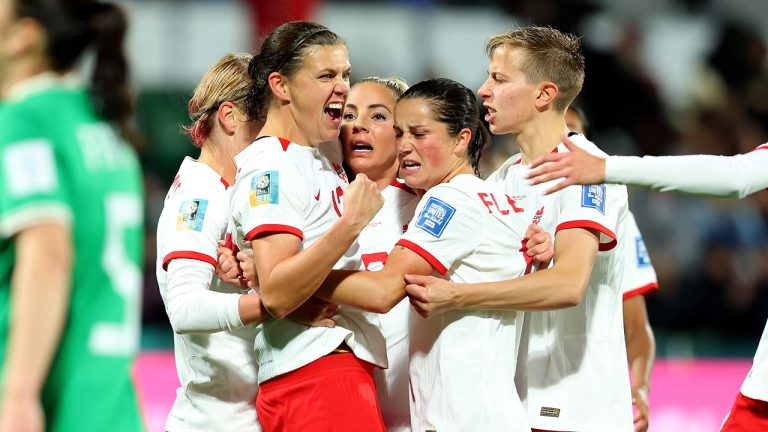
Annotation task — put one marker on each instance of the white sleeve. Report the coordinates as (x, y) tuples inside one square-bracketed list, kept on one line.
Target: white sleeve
[(271, 198), (445, 228), (191, 306), (597, 207), (723, 176), (639, 276)]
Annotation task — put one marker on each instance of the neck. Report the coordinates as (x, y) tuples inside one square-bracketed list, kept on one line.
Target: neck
[(458, 169), (541, 136), (385, 178), (281, 123), (17, 73), (219, 159)]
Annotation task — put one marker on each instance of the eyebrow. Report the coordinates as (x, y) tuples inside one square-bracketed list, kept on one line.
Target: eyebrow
[(378, 106)]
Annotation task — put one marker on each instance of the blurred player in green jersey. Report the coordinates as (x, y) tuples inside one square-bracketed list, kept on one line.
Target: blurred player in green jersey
[(70, 221)]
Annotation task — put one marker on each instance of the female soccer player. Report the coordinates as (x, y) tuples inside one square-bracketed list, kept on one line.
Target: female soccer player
[(368, 144), (709, 175), (214, 348), (70, 197), (463, 229), (287, 201)]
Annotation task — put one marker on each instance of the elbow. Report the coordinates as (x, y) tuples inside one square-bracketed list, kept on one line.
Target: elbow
[(179, 325), (391, 294), (275, 307), (382, 305), (573, 294)]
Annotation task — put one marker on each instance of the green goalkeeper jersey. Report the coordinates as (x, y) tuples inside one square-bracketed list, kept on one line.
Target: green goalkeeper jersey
[(60, 162)]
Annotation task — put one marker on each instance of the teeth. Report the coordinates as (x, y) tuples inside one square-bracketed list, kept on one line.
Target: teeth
[(335, 105)]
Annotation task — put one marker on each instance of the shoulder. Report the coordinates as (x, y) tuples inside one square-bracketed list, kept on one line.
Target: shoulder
[(584, 144), (501, 173)]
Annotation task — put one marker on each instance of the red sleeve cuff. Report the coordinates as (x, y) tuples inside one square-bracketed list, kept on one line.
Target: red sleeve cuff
[(274, 229), (643, 290), (588, 224), (188, 255), (437, 265)]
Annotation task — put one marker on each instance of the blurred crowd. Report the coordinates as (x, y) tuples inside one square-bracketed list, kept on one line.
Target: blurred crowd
[(711, 256)]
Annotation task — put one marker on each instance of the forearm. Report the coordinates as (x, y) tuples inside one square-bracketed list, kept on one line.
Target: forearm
[(553, 288), (376, 292), (193, 308), (293, 280), (641, 352), (722, 176), (39, 304)]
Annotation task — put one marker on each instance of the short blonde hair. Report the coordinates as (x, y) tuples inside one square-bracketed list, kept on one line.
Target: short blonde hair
[(226, 81), (550, 55), (396, 85)]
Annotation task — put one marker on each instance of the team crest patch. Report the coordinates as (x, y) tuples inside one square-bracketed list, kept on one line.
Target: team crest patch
[(593, 196), (191, 215), (643, 259), (435, 217), (264, 188)]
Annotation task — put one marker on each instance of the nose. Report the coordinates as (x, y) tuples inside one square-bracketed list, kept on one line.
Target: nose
[(342, 86), (484, 91), (360, 125), (403, 146)]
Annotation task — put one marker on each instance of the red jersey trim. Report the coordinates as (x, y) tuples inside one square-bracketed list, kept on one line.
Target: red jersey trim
[(761, 147), (284, 142), (224, 182), (439, 267), (643, 290), (274, 229), (189, 255), (587, 224), (402, 186)]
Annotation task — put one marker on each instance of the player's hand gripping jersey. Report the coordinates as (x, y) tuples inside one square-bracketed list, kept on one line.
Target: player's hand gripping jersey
[(283, 187), (463, 362), (213, 350), (573, 372)]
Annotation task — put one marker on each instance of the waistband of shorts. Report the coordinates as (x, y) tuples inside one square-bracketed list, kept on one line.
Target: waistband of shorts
[(338, 362)]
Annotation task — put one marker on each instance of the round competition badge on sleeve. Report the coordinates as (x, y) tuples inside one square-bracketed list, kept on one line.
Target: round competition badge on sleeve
[(264, 188), (191, 215)]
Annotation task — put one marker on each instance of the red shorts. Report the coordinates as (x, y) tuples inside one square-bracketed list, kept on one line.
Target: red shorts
[(747, 415), (334, 393)]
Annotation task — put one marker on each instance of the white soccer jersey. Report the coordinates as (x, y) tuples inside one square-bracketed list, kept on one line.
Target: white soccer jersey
[(639, 277), (463, 362), (217, 371), (755, 386), (573, 371), (374, 244), (282, 187)]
